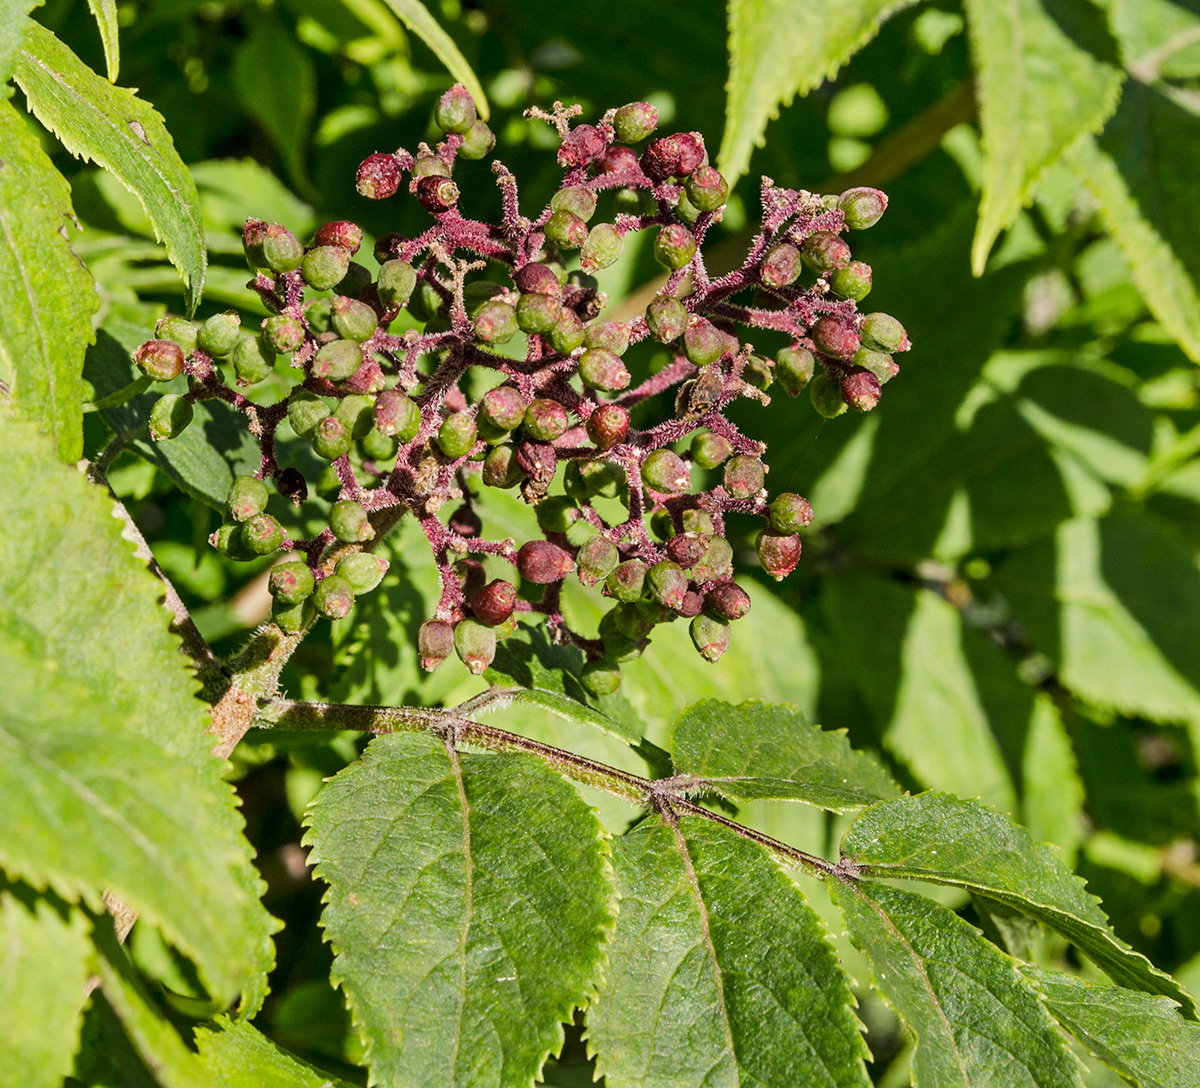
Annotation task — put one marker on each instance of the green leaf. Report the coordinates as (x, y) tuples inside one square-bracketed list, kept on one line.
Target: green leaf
[(1044, 77), (781, 48), (113, 127), (12, 29), (49, 297), (1052, 791), (43, 966), (1140, 172), (755, 752), (237, 1055), (105, 14), (469, 899), (109, 776), (940, 839), (414, 15), (1142, 1037), (1158, 38), (719, 971), (974, 1019)]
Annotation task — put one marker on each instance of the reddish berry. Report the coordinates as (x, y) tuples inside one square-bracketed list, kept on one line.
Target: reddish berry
[(781, 266), (728, 600), (835, 336), (778, 552), (581, 145), (494, 603), (608, 425), (341, 232), (674, 247), (666, 318), (545, 420), (744, 476), (378, 176), (435, 643), (542, 563), (860, 390), (159, 360), (538, 279)]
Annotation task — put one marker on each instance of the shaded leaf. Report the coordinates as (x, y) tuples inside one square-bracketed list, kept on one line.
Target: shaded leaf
[(754, 751), (943, 840), (1046, 74), (719, 971), (109, 775), (414, 15), (105, 14), (49, 297), (469, 900), (113, 127), (1052, 791), (1142, 1037), (237, 1055), (43, 966), (1158, 38), (974, 1019), (781, 48), (12, 30)]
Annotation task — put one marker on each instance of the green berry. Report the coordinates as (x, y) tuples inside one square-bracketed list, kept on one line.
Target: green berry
[(247, 497), (292, 618), (790, 513), (377, 446), (228, 541), (567, 333), (323, 267), (282, 334), (777, 552), (557, 513), (862, 207), (170, 416), (852, 282), (353, 320), (357, 413), (667, 319), (537, 313), (318, 312), (618, 648), (759, 372), (603, 247), (455, 111), (826, 397), (825, 251), (611, 335), (687, 212), (475, 645), (596, 559), (331, 438), (435, 643), (334, 597), (457, 434), (179, 330), (545, 420), (703, 342), (503, 407), (362, 570), (698, 521), (566, 230), (627, 582), (478, 141), (496, 322), (356, 280), (159, 360), (879, 363), (710, 635), (601, 478), (305, 410), (665, 471), (706, 189), (337, 360), (396, 415), (744, 476), (674, 247), (715, 563), (601, 677), (577, 199), (395, 284), (634, 122), (350, 522), (882, 332), (794, 367), (667, 583), (280, 249), (218, 336), (781, 266), (632, 622), (262, 534), (500, 468), (602, 369), (252, 360), (291, 582)]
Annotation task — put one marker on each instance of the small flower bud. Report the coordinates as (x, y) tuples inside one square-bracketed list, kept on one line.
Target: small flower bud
[(728, 600), (247, 497), (159, 360), (169, 417), (178, 330), (826, 397), (596, 559), (674, 247), (794, 367), (601, 369), (710, 635), (781, 266), (537, 313), (634, 122), (218, 336), (349, 522), (291, 582), (665, 471), (567, 333), (852, 282), (603, 247), (280, 249), (457, 435), (882, 332), (494, 603), (667, 583), (860, 390), (282, 334), (395, 284), (324, 267), (353, 320), (336, 360), (666, 318), (253, 361), (262, 534), (627, 582), (824, 251), (790, 513), (331, 438), (455, 111), (862, 207), (540, 562), (545, 420), (362, 570), (378, 176), (478, 141), (707, 189), (581, 145), (575, 198), (500, 468), (600, 677), (608, 425), (778, 552), (334, 597), (834, 336), (435, 643), (566, 230), (715, 563)]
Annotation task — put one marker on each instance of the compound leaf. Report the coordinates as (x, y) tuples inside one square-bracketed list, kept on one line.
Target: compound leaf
[(108, 777), (1046, 74), (469, 900), (414, 15), (944, 840), (49, 297), (238, 1055), (757, 752), (974, 1019), (113, 127), (781, 48), (1142, 1037), (719, 971)]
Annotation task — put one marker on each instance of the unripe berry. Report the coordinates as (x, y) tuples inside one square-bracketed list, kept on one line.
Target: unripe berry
[(688, 548), (341, 232), (759, 372), (539, 279), (349, 522), (331, 438), (703, 342), (715, 563), (698, 521), (835, 336), (581, 145), (362, 570), (666, 318), (557, 513), (608, 425), (503, 407), (627, 582), (882, 332), (634, 122), (611, 335), (674, 247), (603, 247), (435, 643), (601, 369), (853, 281), (252, 360), (618, 648), (179, 330), (778, 552), (496, 322), (169, 417), (395, 284), (545, 420), (794, 368), (744, 476), (826, 397), (478, 141), (334, 597), (324, 267), (728, 600), (280, 249), (500, 468), (860, 390), (862, 207), (353, 320), (356, 280), (282, 334), (396, 415), (253, 233), (494, 603), (824, 251), (667, 583), (429, 166), (790, 513), (710, 635), (618, 160), (634, 202), (378, 177), (567, 333), (537, 313), (427, 302), (600, 677), (318, 312), (337, 360), (882, 365), (632, 622), (566, 230), (228, 541), (247, 497), (687, 212), (159, 360), (693, 604), (781, 266), (262, 534), (707, 189), (305, 410), (291, 582), (357, 412), (665, 471), (575, 198), (218, 336), (540, 562), (455, 111), (457, 434), (292, 618), (596, 559), (436, 194)]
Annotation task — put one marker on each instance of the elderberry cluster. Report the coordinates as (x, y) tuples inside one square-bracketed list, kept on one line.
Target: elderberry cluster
[(638, 511)]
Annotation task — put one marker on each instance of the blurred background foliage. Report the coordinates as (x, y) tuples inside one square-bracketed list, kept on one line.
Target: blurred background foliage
[(1001, 594)]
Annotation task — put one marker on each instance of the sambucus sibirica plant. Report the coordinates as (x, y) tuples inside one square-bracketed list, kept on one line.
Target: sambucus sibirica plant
[(393, 413)]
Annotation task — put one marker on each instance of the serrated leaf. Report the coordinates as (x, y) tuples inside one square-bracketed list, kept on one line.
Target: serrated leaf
[(414, 15), (781, 48), (105, 14), (109, 774), (943, 840), (974, 1019), (719, 971), (113, 127), (12, 30), (469, 900), (1140, 172), (756, 752), (43, 966), (49, 297), (237, 1055), (1052, 792), (1142, 1037), (1044, 77)]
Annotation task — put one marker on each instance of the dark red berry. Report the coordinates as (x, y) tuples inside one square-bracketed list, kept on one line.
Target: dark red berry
[(341, 232), (542, 563), (608, 425), (539, 279), (581, 145), (378, 176), (494, 603), (660, 160), (860, 390), (691, 152), (436, 194), (835, 336), (728, 600), (618, 160)]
